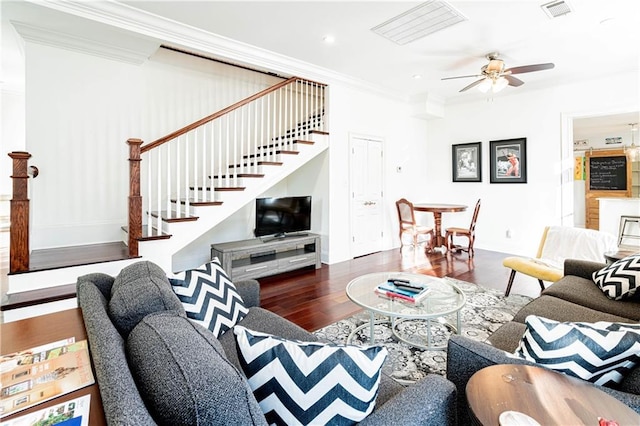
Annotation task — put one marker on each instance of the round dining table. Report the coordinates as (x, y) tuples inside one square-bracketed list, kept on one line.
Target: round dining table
[(437, 209)]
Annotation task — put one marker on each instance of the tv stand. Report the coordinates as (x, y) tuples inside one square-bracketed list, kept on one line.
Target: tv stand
[(260, 257), (268, 239)]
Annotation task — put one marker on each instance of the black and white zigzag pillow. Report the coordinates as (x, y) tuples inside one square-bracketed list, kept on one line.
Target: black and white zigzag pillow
[(308, 382), (621, 279), (600, 352), (210, 298)]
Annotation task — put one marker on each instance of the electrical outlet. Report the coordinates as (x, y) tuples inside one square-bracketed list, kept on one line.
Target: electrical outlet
[(508, 234)]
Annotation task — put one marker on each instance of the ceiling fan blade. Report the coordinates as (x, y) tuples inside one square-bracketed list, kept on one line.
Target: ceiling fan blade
[(529, 68), (474, 84), (515, 82), (461, 76)]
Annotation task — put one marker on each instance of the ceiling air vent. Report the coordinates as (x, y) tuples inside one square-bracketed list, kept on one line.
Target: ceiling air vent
[(556, 8), (422, 20)]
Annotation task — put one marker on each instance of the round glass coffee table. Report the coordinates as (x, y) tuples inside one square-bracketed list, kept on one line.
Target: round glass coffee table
[(444, 300)]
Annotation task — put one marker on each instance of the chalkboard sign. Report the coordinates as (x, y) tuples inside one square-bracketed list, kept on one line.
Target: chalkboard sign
[(608, 173)]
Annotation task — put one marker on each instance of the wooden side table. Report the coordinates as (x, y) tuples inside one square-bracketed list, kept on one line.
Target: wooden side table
[(613, 256), (549, 397), (31, 332)]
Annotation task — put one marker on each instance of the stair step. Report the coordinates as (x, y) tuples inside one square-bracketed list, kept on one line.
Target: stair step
[(265, 154), (259, 163), (36, 297), (239, 175), (193, 202), (150, 235), (219, 188), (230, 188), (280, 144), (174, 216), (64, 257), (320, 132)]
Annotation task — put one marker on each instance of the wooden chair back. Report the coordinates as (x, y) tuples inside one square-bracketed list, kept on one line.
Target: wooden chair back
[(405, 212), (474, 219)]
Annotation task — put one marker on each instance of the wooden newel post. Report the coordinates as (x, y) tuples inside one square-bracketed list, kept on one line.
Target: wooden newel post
[(135, 199), (19, 231)]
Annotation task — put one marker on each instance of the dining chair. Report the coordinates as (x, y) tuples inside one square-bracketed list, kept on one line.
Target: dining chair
[(408, 224), (469, 233)]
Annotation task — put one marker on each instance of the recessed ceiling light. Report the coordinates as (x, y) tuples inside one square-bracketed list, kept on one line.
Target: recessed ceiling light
[(416, 76), (328, 39)]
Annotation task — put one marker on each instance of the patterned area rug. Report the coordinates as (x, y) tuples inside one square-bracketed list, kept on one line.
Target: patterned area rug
[(485, 311)]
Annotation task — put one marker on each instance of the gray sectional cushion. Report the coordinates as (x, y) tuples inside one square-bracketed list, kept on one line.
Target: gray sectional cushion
[(138, 290), (586, 293), (259, 319), (508, 336), (558, 309), (430, 401), (108, 355), (184, 377)]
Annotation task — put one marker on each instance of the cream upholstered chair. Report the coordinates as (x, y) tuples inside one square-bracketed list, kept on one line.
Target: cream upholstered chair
[(408, 224), (469, 233), (557, 244)]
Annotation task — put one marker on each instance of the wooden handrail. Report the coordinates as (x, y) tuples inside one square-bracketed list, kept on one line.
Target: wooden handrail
[(222, 112), (136, 149), (19, 230)]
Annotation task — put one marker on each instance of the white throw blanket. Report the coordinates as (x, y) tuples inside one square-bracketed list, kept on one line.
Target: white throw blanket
[(564, 242)]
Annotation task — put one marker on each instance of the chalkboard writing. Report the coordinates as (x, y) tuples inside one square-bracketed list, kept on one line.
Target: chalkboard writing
[(608, 173)]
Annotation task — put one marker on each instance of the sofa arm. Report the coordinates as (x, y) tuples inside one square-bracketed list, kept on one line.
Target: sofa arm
[(464, 358), (249, 290), (430, 401), (582, 268)]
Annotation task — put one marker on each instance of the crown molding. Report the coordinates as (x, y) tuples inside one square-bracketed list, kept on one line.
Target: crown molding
[(66, 41), (165, 30)]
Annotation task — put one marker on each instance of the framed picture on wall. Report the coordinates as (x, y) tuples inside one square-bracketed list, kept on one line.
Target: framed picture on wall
[(508, 161), (467, 162)]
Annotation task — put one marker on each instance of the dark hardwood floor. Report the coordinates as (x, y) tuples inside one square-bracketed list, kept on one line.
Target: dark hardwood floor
[(314, 298)]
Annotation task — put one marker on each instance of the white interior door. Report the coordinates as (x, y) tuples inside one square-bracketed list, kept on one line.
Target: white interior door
[(366, 195)]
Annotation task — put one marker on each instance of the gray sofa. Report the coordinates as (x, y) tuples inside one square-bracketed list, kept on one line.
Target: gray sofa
[(574, 298), (136, 370)]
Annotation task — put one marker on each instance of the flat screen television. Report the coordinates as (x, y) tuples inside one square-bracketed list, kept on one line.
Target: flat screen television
[(282, 215)]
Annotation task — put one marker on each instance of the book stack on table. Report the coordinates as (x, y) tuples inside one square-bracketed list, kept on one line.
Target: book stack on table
[(396, 288)]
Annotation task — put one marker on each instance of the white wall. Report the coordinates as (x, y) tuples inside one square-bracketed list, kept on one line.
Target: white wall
[(81, 109), (405, 144), (522, 208)]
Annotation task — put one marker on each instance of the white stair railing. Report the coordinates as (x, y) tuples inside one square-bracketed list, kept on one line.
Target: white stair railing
[(187, 166)]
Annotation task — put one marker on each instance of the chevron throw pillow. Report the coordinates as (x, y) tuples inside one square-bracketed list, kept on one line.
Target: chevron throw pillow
[(309, 382), (621, 279), (600, 352), (210, 298)]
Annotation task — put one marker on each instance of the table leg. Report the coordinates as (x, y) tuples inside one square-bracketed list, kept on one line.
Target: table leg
[(437, 217), (371, 327)]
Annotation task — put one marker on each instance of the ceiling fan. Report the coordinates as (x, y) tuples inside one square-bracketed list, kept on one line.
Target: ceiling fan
[(496, 77)]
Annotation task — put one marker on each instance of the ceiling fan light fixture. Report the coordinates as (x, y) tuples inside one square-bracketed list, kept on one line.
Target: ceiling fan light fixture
[(499, 84), (485, 85)]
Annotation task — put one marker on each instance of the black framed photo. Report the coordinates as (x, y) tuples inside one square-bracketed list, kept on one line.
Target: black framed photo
[(467, 162), (508, 160)]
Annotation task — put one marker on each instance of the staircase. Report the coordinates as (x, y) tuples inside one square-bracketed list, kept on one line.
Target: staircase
[(186, 183)]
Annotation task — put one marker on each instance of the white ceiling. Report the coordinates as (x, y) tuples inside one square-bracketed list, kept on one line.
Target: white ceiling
[(598, 37)]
